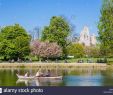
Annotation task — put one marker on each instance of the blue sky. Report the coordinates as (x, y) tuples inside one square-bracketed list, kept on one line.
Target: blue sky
[(31, 13)]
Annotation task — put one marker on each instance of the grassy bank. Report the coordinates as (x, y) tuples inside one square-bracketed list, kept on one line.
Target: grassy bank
[(53, 65)]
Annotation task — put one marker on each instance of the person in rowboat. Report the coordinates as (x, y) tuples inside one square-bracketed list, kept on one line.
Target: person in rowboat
[(39, 74), (26, 75), (48, 74)]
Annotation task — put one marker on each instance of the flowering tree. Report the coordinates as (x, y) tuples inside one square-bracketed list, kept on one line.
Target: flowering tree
[(45, 49), (35, 47)]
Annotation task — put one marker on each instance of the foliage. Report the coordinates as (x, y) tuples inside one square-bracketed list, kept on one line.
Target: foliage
[(92, 51), (77, 50), (57, 31), (14, 42), (105, 27), (45, 49)]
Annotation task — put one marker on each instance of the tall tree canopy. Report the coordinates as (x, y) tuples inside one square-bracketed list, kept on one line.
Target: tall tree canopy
[(14, 42), (105, 27), (76, 50), (57, 31)]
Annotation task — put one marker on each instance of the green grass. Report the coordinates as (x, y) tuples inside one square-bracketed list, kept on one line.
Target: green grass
[(94, 60), (74, 60), (70, 60), (110, 61)]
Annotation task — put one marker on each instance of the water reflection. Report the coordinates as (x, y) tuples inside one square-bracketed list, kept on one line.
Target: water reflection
[(37, 82), (28, 82), (78, 77), (94, 80)]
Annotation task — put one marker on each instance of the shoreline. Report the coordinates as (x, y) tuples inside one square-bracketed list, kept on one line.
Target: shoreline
[(53, 65)]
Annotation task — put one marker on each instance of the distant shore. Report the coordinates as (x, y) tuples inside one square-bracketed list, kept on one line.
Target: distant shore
[(53, 65)]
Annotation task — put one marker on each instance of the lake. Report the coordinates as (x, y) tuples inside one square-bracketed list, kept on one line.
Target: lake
[(79, 77)]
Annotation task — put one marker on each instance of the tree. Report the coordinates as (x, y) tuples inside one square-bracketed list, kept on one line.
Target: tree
[(92, 51), (45, 49), (14, 42), (57, 31), (76, 50), (105, 27)]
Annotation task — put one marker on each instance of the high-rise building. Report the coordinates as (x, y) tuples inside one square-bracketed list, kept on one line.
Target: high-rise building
[(85, 38)]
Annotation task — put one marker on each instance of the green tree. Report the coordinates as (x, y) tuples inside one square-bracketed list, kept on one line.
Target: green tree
[(57, 31), (92, 51), (76, 50), (14, 42), (105, 27)]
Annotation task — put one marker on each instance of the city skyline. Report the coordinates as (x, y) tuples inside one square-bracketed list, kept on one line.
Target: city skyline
[(32, 13)]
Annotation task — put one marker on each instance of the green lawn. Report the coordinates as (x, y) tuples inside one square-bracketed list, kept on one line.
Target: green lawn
[(93, 60), (72, 60)]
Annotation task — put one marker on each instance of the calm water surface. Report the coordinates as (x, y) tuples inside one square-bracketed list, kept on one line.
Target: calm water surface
[(80, 77)]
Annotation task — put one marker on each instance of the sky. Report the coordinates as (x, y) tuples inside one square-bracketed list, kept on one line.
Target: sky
[(32, 13)]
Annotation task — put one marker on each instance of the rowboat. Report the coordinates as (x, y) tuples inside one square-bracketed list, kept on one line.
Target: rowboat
[(25, 77), (41, 77)]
